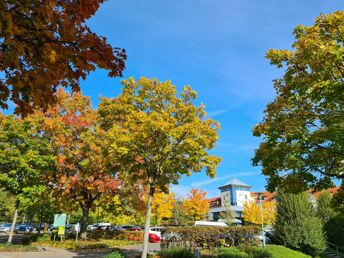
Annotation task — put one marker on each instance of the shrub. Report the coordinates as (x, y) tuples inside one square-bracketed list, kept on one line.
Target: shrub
[(231, 252), (176, 252), (209, 237), (278, 251), (270, 251), (257, 252), (297, 225), (334, 228), (104, 234), (115, 254)]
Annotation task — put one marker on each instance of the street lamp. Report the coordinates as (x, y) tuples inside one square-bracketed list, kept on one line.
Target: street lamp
[(262, 219)]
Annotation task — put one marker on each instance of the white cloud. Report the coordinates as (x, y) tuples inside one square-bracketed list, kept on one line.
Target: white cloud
[(217, 112)]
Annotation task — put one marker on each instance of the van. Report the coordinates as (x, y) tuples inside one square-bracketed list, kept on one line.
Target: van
[(210, 223)]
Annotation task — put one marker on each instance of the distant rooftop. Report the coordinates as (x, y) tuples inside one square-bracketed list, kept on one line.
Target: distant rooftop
[(236, 182)]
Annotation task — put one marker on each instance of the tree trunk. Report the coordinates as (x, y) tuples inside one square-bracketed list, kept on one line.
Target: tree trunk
[(13, 226), (147, 224), (84, 220)]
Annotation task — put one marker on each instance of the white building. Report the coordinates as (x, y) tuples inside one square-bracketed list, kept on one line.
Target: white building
[(233, 196)]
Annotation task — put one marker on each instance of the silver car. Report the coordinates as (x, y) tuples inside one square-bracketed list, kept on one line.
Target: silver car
[(5, 227)]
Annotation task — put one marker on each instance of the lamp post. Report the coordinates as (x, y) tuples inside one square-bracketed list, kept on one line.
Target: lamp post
[(261, 216)]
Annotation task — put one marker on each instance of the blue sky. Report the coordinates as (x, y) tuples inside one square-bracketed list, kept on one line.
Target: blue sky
[(217, 47)]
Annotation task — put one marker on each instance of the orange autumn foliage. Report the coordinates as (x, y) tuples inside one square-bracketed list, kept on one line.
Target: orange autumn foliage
[(195, 206)]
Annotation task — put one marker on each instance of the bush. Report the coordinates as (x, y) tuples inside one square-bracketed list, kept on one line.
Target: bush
[(115, 254), (334, 228), (297, 225), (257, 252), (103, 234), (278, 251), (209, 237), (231, 252), (270, 251), (176, 252)]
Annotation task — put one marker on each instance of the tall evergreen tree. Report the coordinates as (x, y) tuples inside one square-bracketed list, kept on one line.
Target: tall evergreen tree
[(297, 225)]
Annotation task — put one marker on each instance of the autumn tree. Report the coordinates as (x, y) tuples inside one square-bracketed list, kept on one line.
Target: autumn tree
[(158, 136), (162, 206), (178, 214), (83, 172), (303, 127), (47, 44), (252, 212), (227, 215), (24, 157), (196, 205)]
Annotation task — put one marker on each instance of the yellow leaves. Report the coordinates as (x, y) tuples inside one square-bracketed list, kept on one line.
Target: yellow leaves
[(252, 212), (52, 56), (162, 206)]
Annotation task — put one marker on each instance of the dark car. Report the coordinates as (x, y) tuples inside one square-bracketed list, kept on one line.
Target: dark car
[(24, 229), (131, 228)]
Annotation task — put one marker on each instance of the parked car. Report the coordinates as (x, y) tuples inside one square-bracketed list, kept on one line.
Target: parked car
[(156, 231), (72, 228), (210, 223), (154, 238), (24, 229), (92, 227), (131, 228), (114, 228), (5, 227)]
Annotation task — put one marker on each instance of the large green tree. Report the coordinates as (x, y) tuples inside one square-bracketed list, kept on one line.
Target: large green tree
[(158, 136), (24, 157), (297, 225), (302, 130), (46, 44)]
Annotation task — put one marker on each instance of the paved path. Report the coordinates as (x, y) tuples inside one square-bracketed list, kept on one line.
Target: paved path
[(61, 253)]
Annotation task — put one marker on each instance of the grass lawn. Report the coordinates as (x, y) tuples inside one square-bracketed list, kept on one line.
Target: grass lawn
[(17, 248)]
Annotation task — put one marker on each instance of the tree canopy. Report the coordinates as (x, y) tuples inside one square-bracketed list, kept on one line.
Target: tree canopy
[(303, 128), (83, 171), (196, 205), (158, 136), (24, 156), (46, 44), (252, 212)]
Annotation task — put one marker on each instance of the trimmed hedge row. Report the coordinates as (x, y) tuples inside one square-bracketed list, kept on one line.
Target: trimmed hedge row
[(208, 237), (119, 235)]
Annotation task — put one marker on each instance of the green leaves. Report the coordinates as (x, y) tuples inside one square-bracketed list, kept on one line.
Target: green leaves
[(302, 129), (24, 155)]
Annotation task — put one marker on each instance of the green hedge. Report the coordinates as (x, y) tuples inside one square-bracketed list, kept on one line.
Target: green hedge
[(209, 237)]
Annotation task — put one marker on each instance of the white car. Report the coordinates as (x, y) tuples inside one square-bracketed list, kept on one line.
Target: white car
[(156, 231), (5, 227)]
